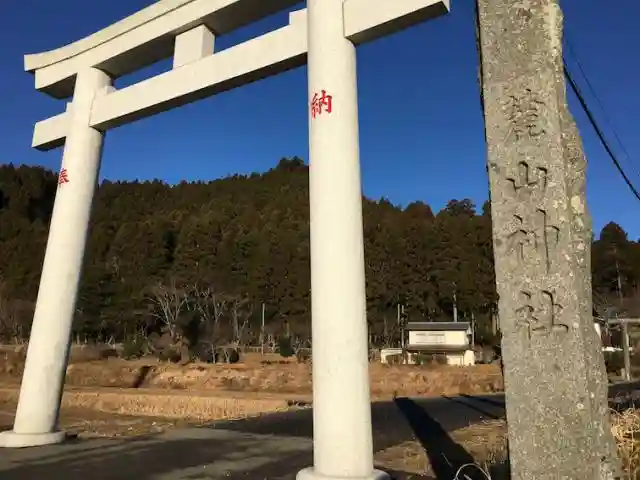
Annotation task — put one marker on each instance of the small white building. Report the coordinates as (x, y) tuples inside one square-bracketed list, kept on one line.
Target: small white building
[(449, 339)]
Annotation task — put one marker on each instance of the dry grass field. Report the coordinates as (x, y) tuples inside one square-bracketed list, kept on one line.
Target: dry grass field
[(115, 397), (257, 373), (626, 430), (486, 443), (200, 407), (86, 423)]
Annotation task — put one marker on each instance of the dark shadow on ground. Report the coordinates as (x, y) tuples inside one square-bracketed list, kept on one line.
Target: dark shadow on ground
[(174, 456), (471, 404), (255, 446), (622, 396), (496, 402), (179, 459), (389, 429), (236, 458), (398, 475), (445, 455), (143, 373)]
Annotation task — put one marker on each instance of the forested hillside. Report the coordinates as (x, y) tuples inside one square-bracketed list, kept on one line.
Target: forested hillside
[(244, 241)]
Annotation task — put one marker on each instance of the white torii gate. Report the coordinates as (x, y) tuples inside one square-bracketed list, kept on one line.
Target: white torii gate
[(324, 35)]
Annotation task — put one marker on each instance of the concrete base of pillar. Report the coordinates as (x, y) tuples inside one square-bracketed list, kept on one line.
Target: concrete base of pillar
[(311, 474), (11, 439)]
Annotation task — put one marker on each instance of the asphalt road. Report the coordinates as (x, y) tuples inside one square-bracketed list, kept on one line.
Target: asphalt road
[(270, 447), (390, 423), (273, 447)]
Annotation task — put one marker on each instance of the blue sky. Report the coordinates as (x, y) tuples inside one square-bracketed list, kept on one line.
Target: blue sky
[(421, 125)]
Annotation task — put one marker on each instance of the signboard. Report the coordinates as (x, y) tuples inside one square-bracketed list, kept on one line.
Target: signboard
[(427, 338)]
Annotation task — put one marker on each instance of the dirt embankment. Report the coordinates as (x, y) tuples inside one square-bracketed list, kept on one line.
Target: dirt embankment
[(112, 397), (256, 375), (289, 378)]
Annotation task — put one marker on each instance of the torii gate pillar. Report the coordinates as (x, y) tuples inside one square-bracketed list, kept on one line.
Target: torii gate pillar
[(36, 421), (342, 433)]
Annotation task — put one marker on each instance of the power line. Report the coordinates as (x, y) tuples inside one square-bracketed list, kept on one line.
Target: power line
[(598, 131), (589, 85)]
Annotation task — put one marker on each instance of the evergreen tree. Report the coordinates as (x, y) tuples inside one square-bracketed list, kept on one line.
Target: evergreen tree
[(247, 237)]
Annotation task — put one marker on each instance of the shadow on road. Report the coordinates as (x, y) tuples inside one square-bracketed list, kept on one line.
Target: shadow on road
[(445, 455), (494, 401), (470, 403)]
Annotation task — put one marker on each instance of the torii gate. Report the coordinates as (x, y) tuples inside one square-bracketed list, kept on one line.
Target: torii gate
[(324, 35)]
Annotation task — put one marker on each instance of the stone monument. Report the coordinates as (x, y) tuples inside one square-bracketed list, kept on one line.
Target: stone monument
[(555, 381)]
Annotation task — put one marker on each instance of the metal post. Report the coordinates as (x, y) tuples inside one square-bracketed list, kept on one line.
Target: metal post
[(625, 349)]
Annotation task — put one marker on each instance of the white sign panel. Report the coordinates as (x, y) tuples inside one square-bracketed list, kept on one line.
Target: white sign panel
[(427, 338)]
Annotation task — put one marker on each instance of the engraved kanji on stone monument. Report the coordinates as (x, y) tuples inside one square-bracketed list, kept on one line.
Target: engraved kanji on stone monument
[(535, 240), (529, 180), (521, 240), (524, 112), (539, 314)]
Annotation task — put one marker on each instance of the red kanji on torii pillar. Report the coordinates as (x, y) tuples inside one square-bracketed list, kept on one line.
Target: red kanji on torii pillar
[(320, 103), (63, 177)]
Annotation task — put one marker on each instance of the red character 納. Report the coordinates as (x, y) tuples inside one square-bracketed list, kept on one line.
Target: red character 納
[(320, 103)]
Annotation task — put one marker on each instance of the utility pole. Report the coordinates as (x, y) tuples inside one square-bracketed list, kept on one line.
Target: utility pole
[(625, 349), (400, 321), (455, 307), (619, 279), (403, 319), (262, 331), (473, 329)]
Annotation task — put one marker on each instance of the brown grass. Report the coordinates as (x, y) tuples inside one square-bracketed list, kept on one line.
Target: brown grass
[(168, 405), (432, 380), (288, 378), (270, 373), (93, 424), (626, 430), (486, 442), (12, 362)]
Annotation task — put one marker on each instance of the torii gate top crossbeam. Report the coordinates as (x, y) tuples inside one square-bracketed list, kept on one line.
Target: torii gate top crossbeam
[(141, 39), (150, 34)]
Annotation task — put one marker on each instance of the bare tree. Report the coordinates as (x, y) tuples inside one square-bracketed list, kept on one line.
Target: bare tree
[(169, 302), (241, 311), (5, 312), (387, 333), (271, 342), (13, 316), (211, 307), (633, 304)]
